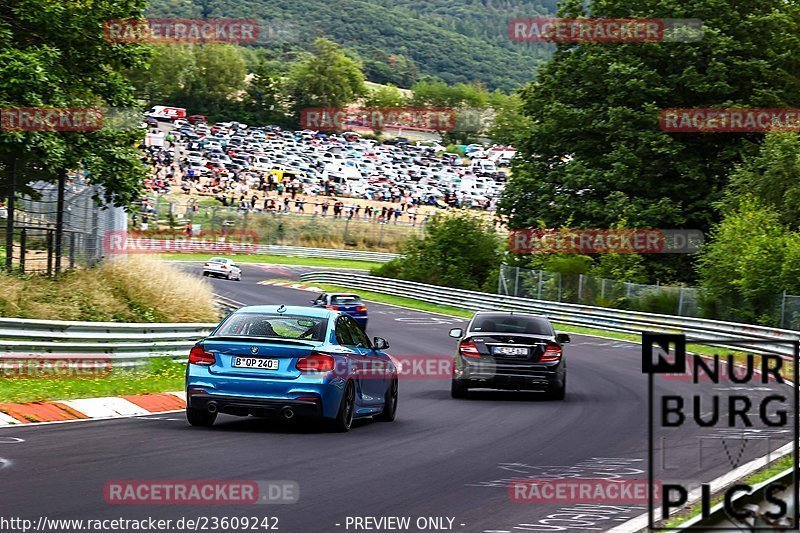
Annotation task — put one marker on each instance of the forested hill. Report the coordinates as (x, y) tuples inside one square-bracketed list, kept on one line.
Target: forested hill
[(399, 40)]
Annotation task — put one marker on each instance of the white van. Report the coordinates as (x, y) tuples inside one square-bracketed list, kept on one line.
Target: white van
[(166, 113)]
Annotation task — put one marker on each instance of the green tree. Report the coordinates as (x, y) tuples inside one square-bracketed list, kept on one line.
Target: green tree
[(265, 101), (385, 96), (595, 153), (168, 74), (458, 250), (217, 81), (750, 260), (509, 125), (327, 78), (772, 176), (54, 54)]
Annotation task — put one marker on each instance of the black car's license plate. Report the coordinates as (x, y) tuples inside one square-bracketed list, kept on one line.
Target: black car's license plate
[(518, 351)]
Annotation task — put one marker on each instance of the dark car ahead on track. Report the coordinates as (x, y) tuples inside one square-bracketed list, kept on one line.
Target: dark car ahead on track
[(509, 351), (290, 361), (349, 303)]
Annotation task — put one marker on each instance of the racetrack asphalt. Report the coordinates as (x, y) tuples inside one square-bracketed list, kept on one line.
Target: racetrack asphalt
[(440, 458)]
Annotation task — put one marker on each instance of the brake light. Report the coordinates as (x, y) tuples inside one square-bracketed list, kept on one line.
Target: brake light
[(551, 354), (205, 265), (468, 349), (361, 309), (224, 267), (199, 356), (316, 362), (332, 307)]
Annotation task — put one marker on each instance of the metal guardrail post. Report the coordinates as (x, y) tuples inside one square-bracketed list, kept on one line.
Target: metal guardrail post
[(22, 250)]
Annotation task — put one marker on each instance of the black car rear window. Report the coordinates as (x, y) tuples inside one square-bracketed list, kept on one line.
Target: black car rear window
[(511, 324)]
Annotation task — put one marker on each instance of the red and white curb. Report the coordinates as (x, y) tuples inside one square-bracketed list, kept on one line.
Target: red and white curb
[(90, 408), (290, 285)]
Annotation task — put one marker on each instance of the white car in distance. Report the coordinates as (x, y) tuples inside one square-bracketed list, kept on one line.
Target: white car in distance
[(222, 267)]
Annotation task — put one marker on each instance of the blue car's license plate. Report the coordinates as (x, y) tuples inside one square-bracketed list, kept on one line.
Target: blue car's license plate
[(254, 362)]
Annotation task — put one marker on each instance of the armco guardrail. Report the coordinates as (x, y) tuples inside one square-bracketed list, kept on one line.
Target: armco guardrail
[(326, 253), (576, 315), (213, 247), (116, 341)]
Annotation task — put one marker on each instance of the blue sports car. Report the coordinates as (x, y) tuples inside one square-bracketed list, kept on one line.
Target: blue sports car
[(290, 361)]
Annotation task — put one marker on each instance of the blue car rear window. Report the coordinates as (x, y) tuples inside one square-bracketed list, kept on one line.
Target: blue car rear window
[(346, 300), (273, 326)]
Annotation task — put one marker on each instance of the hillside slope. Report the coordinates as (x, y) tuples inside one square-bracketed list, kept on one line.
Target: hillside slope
[(455, 40)]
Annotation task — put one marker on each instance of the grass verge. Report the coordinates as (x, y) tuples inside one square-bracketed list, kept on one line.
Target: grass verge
[(156, 375), (136, 289), (278, 260), (759, 476)]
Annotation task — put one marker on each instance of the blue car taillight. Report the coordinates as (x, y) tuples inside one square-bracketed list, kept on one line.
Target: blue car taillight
[(199, 356), (316, 362)]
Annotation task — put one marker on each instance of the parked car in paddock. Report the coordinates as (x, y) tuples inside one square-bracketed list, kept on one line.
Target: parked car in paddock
[(509, 351), (290, 361), (349, 303), (223, 268)]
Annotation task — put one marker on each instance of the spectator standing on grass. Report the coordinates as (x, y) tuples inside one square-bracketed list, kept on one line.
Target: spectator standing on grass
[(286, 205), (316, 209), (397, 213), (253, 200), (325, 206), (299, 205)]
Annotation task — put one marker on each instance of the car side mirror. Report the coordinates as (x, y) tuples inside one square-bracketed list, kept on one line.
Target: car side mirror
[(380, 343), (456, 333), (562, 338)]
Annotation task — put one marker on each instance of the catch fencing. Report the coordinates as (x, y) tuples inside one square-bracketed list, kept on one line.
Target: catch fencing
[(595, 291), (598, 318), (85, 223)]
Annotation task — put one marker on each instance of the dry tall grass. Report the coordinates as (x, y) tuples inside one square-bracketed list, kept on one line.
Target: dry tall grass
[(136, 289)]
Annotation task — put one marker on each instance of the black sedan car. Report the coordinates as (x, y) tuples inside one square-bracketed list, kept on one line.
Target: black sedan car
[(510, 351)]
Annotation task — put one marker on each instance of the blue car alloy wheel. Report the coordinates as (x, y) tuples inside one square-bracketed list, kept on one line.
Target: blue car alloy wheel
[(287, 362)]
